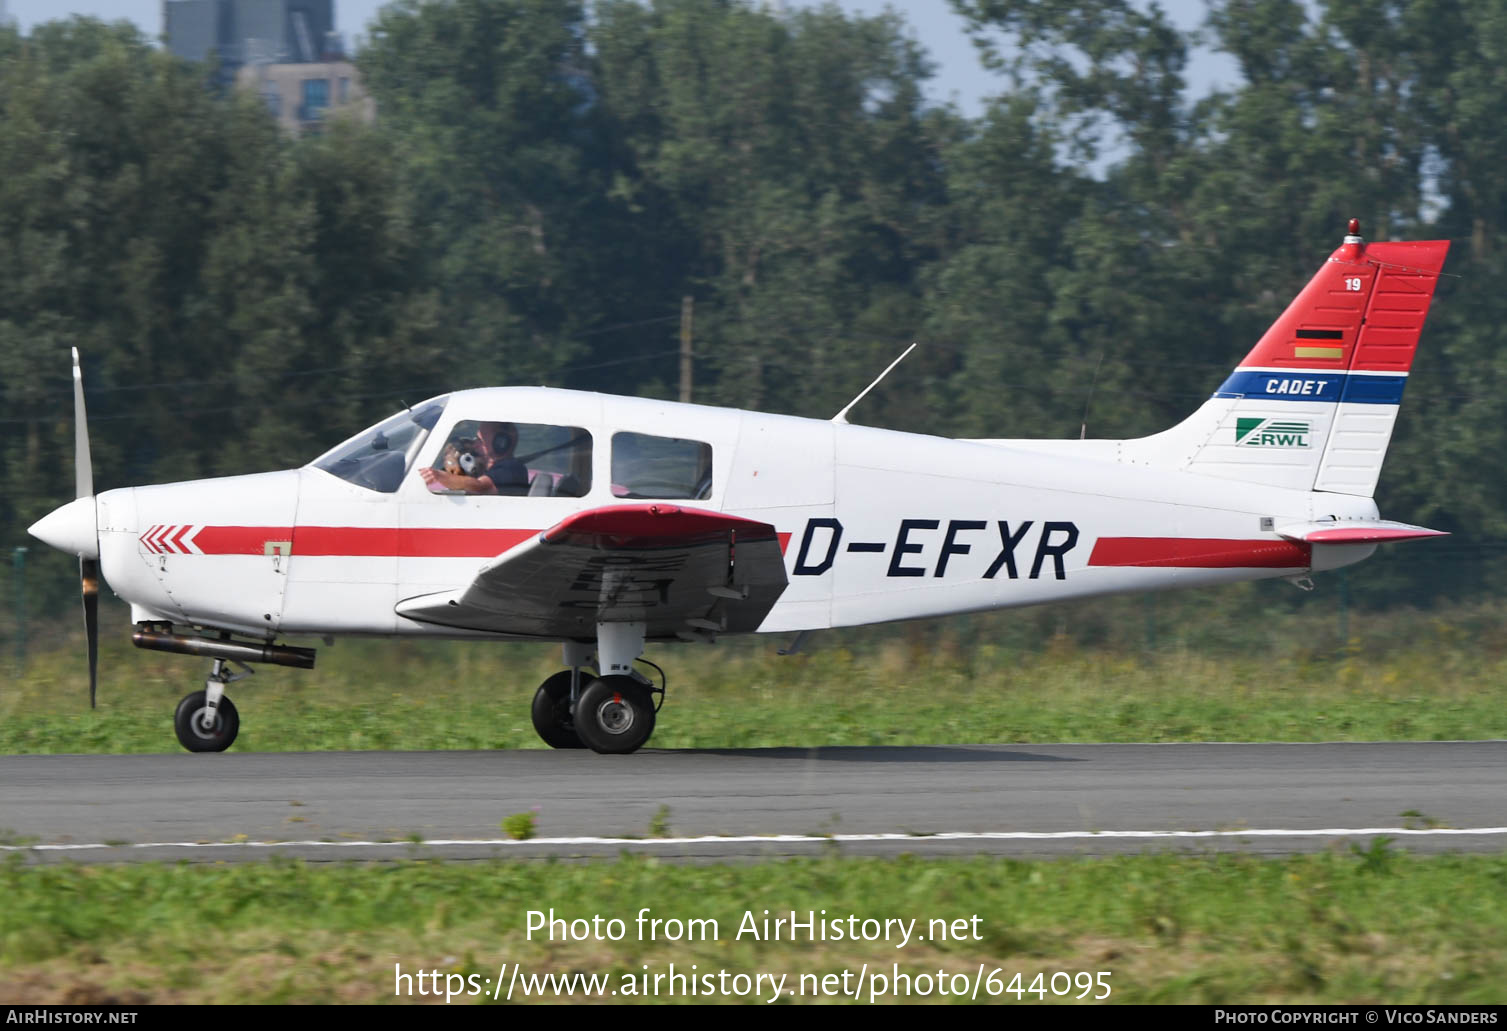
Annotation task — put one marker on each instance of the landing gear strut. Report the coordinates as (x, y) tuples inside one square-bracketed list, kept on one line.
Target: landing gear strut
[(612, 713), (207, 721)]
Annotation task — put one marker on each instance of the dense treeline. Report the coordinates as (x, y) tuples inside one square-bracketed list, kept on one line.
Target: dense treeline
[(546, 182)]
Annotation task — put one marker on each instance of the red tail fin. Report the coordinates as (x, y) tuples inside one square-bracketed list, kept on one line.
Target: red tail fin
[(1362, 311)]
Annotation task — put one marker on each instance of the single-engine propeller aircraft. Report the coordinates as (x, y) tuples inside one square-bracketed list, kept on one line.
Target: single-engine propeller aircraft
[(606, 522)]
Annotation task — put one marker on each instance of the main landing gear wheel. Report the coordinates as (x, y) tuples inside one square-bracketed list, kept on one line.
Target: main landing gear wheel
[(551, 711), (199, 730), (615, 715)]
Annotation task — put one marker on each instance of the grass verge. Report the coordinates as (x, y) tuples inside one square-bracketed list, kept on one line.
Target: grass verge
[(1244, 662), (1352, 925), (402, 695)]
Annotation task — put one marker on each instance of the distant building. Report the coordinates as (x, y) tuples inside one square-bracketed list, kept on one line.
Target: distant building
[(7, 20), (303, 96), (287, 51), (242, 32)]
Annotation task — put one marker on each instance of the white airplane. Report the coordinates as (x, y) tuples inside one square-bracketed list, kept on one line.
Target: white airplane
[(606, 522)]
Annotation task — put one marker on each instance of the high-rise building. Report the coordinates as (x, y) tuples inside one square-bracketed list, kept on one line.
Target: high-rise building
[(241, 32)]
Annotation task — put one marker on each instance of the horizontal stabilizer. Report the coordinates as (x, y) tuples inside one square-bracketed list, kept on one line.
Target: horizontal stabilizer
[(1356, 531)]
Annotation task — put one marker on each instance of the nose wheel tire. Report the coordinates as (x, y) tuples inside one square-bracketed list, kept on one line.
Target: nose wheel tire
[(200, 731), (551, 711), (615, 715)]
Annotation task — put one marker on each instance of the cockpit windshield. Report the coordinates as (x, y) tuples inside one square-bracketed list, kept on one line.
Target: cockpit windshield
[(378, 458)]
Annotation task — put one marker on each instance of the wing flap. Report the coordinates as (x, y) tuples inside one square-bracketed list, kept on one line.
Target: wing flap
[(1356, 531), (680, 571)]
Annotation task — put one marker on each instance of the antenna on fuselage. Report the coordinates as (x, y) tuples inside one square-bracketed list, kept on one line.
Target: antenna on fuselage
[(1083, 428), (842, 416)]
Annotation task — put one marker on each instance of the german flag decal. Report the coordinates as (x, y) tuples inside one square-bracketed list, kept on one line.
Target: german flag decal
[(1332, 351)]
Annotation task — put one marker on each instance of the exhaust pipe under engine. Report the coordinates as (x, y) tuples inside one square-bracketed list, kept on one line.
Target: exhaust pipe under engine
[(214, 648)]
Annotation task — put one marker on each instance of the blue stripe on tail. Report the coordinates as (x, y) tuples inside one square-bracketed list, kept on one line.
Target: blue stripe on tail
[(1298, 385)]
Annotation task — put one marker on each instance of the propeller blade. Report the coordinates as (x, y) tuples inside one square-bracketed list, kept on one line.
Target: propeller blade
[(83, 484), (88, 572), (83, 468)]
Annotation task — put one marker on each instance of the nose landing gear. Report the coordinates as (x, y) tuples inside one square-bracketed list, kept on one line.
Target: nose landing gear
[(207, 721)]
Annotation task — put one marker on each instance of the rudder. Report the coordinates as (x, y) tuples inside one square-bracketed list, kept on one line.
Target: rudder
[(1406, 274)]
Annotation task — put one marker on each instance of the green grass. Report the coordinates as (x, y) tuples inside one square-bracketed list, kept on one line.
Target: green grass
[(1347, 926), (1246, 662), (1425, 678)]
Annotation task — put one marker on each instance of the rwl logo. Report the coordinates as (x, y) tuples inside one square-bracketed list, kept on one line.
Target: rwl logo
[(1272, 433)]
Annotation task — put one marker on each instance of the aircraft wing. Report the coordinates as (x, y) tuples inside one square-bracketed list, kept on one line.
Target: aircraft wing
[(683, 572), (1356, 531)]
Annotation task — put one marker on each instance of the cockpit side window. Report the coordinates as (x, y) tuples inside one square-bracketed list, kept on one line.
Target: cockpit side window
[(512, 459), (378, 458), (645, 466)]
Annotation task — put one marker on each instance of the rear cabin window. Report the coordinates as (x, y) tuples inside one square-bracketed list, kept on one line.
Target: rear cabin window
[(645, 466), (513, 459)]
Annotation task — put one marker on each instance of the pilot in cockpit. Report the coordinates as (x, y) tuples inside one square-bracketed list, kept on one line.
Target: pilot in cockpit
[(483, 464)]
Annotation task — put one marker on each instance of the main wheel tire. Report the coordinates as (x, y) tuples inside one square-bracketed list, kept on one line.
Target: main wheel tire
[(615, 715), (551, 711), (194, 735)]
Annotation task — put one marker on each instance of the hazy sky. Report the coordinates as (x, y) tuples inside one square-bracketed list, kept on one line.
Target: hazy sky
[(959, 76)]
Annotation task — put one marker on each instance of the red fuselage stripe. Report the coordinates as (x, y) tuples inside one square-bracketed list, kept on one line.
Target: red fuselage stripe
[(361, 541), (368, 541), (437, 542), (1198, 553)]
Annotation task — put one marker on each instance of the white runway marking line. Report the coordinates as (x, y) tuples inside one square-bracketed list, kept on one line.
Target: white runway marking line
[(810, 839)]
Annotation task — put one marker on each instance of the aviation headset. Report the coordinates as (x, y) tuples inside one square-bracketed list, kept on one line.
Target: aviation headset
[(504, 439)]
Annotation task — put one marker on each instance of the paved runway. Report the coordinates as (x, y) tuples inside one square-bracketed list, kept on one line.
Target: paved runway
[(996, 799)]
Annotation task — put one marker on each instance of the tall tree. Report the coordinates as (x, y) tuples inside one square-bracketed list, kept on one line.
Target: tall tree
[(217, 276), (798, 157), (488, 104)]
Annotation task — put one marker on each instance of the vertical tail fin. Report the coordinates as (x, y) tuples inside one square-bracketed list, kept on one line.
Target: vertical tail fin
[(1313, 405)]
